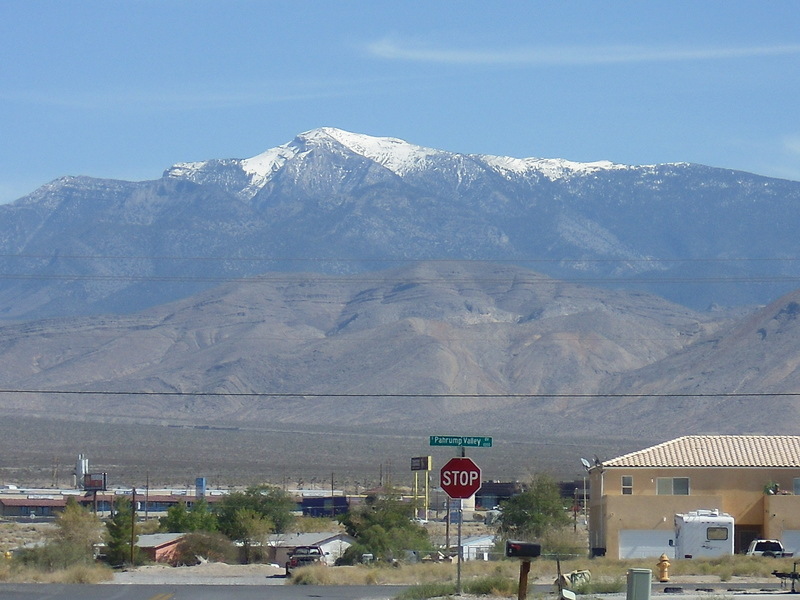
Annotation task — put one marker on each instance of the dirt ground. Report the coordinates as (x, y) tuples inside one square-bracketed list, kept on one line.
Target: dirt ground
[(260, 574), (203, 574)]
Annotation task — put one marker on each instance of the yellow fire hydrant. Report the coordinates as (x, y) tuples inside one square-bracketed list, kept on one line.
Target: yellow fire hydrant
[(663, 568)]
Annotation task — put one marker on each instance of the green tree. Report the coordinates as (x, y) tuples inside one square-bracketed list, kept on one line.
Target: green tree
[(383, 528), (535, 511), (79, 529), (71, 543), (201, 518), (272, 503), (198, 518), (176, 519), (252, 530), (120, 539)]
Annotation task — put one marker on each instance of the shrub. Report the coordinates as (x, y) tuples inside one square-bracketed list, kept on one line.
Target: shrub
[(54, 556), (494, 585), (602, 586), (563, 542), (210, 545), (427, 590), (312, 575), (86, 574)]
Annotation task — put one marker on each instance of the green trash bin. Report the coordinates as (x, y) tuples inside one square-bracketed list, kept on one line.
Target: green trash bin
[(639, 584)]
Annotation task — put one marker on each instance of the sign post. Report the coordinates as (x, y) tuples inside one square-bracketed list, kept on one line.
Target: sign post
[(460, 478), (421, 463)]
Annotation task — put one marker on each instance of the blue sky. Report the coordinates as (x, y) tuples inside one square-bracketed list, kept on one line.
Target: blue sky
[(125, 89)]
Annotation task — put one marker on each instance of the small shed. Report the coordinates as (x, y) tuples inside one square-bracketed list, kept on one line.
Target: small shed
[(160, 547), (475, 547)]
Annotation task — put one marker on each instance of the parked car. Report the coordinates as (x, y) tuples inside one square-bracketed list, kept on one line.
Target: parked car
[(303, 556), (772, 548)]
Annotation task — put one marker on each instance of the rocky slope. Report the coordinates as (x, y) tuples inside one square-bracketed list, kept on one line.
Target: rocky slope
[(435, 344)]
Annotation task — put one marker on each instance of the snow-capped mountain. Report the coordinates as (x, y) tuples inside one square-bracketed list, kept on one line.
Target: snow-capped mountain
[(398, 156), (337, 202)]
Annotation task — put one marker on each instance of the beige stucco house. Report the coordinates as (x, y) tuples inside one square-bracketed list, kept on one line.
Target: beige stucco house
[(755, 478)]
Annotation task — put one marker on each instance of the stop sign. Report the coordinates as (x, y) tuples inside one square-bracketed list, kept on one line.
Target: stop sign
[(460, 477)]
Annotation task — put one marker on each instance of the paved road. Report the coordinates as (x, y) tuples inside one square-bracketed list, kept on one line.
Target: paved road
[(35, 591)]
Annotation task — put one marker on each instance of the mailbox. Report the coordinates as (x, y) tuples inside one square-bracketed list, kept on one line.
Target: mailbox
[(516, 549)]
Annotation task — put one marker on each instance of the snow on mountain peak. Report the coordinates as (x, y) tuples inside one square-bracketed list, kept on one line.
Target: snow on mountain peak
[(402, 157), (395, 154), (261, 167), (552, 168)]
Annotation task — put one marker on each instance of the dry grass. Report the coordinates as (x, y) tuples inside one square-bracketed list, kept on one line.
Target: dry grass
[(15, 535), (605, 571), (10, 573), (408, 574)]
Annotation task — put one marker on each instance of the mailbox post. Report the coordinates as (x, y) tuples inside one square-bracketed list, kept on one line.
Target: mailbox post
[(524, 551)]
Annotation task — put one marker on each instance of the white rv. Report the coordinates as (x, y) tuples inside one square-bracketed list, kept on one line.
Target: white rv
[(703, 533)]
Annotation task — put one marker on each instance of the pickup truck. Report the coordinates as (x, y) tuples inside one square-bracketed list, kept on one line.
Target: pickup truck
[(772, 548), (303, 556)]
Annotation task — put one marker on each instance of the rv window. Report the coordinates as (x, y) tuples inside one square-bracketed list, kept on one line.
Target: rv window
[(717, 533)]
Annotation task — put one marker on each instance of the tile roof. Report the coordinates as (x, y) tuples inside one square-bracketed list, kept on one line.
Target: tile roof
[(716, 451)]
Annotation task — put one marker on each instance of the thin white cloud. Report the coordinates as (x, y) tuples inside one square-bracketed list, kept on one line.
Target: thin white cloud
[(403, 50), (192, 97)]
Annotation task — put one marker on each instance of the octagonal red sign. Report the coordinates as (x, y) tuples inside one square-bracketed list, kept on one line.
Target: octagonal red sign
[(460, 477)]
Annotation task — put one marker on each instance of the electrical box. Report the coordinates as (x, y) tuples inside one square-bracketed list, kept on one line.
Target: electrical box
[(515, 549)]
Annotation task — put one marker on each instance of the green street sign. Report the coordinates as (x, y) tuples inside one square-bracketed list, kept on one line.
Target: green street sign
[(472, 441)]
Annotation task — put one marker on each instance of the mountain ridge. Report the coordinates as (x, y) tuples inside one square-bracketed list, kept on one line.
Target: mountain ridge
[(696, 235), (415, 347), (398, 156)]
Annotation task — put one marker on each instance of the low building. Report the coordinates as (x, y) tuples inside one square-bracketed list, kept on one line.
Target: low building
[(160, 547), (332, 543), (754, 478), (492, 493), (324, 506), (31, 508), (153, 504)]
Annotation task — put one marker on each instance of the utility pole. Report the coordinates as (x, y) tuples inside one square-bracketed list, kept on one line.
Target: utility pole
[(133, 523)]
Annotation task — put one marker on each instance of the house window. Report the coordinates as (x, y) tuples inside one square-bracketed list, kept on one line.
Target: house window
[(672, 486), (627, 485), (796, 486)]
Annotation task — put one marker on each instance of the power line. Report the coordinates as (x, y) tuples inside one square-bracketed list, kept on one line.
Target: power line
[(288, 278), (371, 259), (401, 395)]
